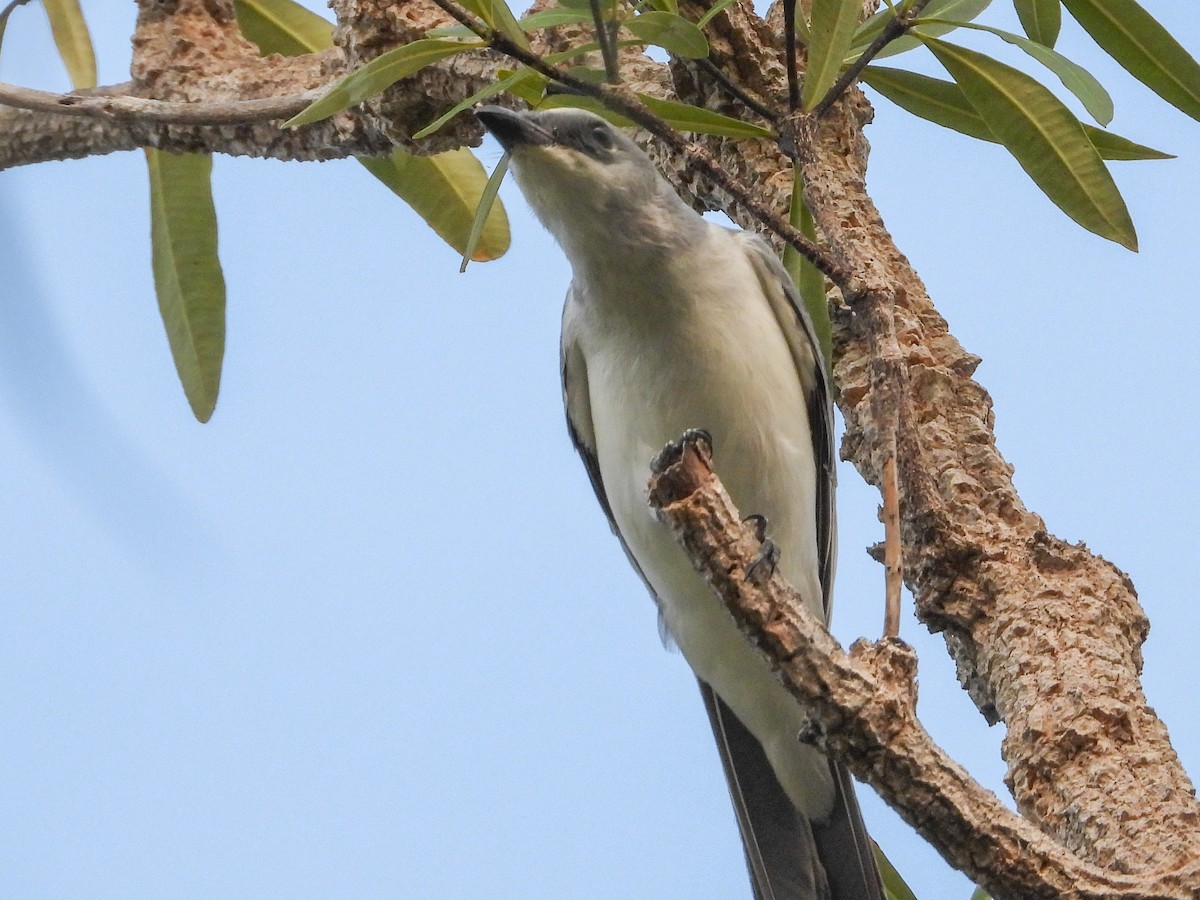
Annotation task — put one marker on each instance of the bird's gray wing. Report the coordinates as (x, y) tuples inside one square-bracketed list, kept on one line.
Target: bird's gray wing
[(798, 329), (577, 402)]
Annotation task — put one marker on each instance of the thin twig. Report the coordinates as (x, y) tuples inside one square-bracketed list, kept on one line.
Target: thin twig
[(896, 26), (604, 37), (893, 573), (789, 43), (756, 106), (122, 107)]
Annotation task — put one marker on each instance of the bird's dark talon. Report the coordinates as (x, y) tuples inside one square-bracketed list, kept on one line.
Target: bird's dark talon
[(763, 566), (673, 452), (759, 523)]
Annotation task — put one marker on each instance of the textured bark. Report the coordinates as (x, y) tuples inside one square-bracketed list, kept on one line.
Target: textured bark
[(862, 708), (1047, 636)]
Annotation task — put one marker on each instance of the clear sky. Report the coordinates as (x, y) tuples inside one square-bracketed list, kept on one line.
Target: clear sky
[(366, 634)]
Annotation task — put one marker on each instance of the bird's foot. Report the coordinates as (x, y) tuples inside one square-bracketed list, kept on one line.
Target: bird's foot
[(673, 452), (763, 565)]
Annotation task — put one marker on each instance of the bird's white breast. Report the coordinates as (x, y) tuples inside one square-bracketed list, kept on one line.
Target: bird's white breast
[(718, 360)]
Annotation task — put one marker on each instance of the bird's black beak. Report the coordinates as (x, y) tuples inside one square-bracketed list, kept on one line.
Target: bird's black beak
[(512, 129)]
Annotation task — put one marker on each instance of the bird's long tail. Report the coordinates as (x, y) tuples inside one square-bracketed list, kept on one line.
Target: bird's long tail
[(789, 857)]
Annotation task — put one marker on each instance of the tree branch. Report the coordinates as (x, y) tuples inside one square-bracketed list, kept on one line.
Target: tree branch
[(862, 709), (106, 104)]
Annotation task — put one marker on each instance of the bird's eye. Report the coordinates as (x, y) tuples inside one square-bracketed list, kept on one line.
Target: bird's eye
[(602, 137)]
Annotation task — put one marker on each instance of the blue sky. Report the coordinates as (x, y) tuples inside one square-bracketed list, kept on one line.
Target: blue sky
[(366, 634)]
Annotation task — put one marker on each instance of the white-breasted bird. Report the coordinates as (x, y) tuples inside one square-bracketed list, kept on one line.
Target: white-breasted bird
[(673, 323)]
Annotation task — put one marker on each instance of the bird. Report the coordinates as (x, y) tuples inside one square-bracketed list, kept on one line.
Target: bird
[(673, 324)]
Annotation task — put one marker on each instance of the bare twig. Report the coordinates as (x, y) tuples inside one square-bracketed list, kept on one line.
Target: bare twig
[(604, 37), (756, 106), (102, 104), (893, 573), (789, 43)]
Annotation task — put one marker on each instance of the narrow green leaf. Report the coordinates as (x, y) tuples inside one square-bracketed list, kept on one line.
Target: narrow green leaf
[(187, 273), (484, 212), (1041, 19), (715, 10), (506, 23), (73, 41), (673, 33), (496, 14), (1114, 147), (830, 34), (943, 103), (680, 116), (283, 26), (1044, 137), (893, 883), (550, 18), (809, 281), (510, 82), (377, 76), (956, 10), (445, 191), (1136, 40), (1076, 79)]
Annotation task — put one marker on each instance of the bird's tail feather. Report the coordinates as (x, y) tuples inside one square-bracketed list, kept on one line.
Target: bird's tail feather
[(789, 857)]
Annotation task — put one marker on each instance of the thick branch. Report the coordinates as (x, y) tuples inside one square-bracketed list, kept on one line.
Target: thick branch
[(111, 106), (863, 711)]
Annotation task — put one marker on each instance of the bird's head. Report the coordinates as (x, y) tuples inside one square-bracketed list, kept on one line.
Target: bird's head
[(585, 180)]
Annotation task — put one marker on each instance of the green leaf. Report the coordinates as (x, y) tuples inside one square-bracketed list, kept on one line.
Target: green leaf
[(715, 10), (943, 103), (73, 41), (283, 26), (673, 33), (809, 281), (1114, 147), (832, 30), (512, 83), (680, 116), (1132, 37), (1076, 79), (980, 894), (893, 883), (187, 273), (551, 18), (445, 190), (1044, 137), (377, 76), (956, 10), (1041, 19), (484, 212), (497, 15)]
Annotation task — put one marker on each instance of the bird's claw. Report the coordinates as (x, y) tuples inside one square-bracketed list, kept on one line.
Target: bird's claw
[(762, 567), (673, 452)]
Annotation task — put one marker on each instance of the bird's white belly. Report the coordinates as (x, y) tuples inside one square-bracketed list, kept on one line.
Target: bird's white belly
[(739, 383)]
